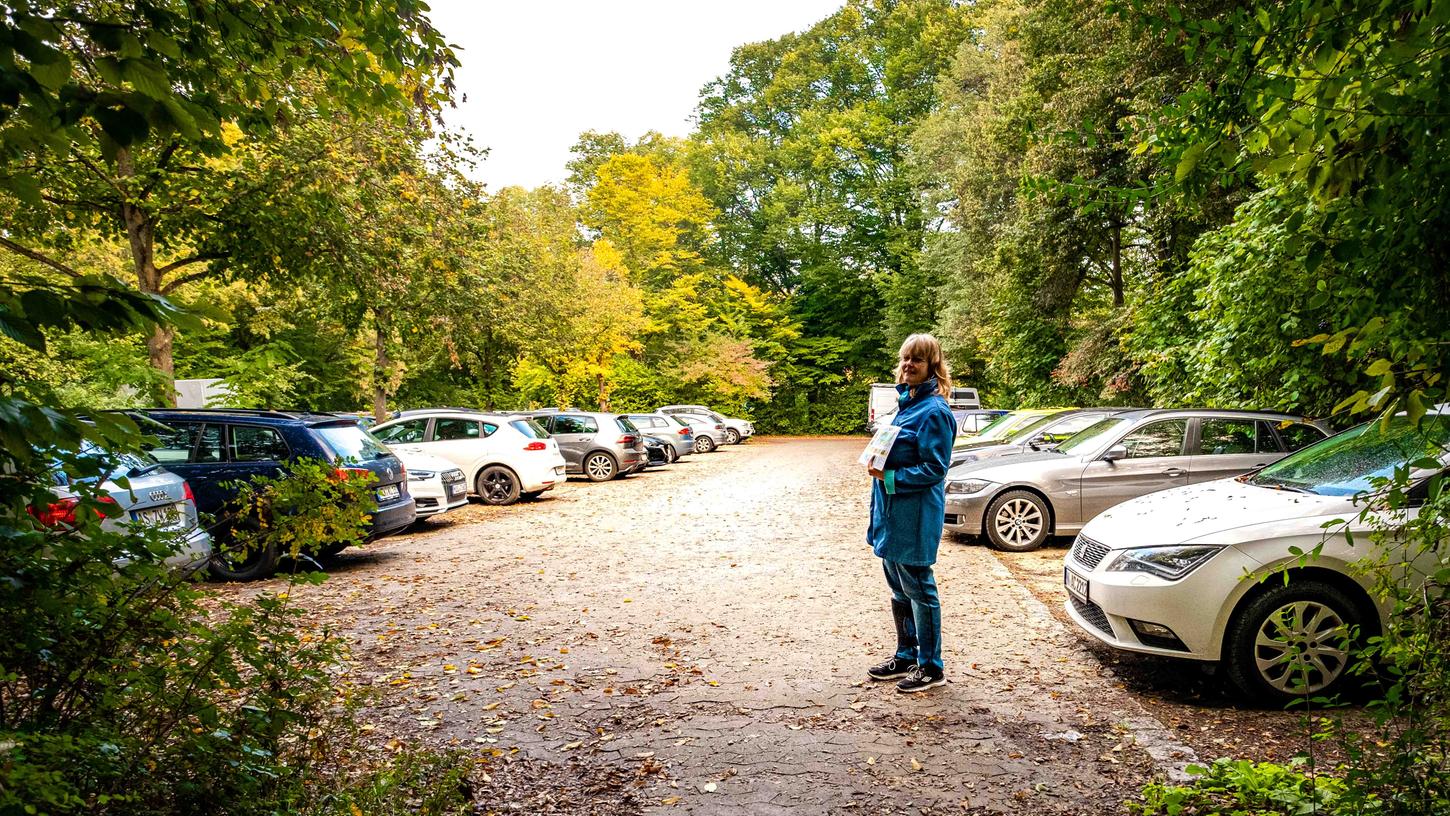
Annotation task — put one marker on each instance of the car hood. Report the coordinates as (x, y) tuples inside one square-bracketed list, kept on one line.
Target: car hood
[(415, 459), (1184, 514), (1009, 469)]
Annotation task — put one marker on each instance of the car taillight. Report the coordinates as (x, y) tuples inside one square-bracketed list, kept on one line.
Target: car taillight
[(719, 427), (533, 446), (684, 432), (628, 440), (61, 512), (186, 492), (343, 474)]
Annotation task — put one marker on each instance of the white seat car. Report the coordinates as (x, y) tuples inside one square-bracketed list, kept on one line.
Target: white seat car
[(436, 484), (502, 456), (1178, 573)]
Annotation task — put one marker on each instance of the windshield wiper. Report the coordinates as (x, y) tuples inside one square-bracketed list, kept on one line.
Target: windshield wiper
[(1283, 486)]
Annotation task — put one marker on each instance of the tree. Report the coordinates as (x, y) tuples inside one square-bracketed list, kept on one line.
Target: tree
[(125, 119)]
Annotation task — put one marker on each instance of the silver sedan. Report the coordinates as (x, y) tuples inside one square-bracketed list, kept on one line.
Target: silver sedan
[(1018, 501)]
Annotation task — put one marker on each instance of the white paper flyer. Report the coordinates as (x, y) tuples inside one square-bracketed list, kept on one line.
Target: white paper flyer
[(879, 446)]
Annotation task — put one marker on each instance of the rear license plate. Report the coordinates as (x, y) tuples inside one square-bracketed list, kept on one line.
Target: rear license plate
[(455, 488), (158, 516), (387, 492), (1076, 584)]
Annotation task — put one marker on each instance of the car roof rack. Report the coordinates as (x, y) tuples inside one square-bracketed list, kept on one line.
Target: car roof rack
[(270, 413)]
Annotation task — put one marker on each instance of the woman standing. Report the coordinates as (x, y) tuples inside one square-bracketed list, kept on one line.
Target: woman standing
[(908, 506)]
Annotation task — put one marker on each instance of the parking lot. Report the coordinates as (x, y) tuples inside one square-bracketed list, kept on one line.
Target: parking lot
[(694, 640)]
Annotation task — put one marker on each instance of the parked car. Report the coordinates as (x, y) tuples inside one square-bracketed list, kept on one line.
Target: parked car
[(667, 427), (436, 484), (1047, 431), (656, 451), (1018, 502), (504, 457), (215, 448), (153, 497), (971, 422), (1177, 573), (736, 430), (601, 446), (709, 433)]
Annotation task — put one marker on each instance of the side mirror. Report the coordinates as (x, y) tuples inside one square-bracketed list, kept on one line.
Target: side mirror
[(1115, 453)]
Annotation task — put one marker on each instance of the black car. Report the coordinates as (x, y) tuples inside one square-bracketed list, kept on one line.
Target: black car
[(213, 447)]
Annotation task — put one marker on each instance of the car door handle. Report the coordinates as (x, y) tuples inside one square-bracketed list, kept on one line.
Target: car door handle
[(1175, 472), (1261, 464)]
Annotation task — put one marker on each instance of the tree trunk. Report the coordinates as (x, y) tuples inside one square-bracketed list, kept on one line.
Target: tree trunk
[(1117, 271), (380, 369), (141, 235)]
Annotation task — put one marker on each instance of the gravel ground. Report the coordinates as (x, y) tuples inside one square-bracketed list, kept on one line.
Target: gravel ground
[(694, 640)]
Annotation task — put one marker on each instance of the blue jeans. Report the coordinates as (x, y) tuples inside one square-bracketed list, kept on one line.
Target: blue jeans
[(917, 611)]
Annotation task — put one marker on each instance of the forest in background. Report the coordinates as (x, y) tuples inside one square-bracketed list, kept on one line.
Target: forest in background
[(1137, 203)]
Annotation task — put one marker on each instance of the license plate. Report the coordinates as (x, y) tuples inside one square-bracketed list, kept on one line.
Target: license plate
[(455, 488), (388, 492), (1076, 584), (158, 516)]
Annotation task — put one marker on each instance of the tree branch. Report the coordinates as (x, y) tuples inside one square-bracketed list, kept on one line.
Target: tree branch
[(37, 257), (161, 163), (172, 286)]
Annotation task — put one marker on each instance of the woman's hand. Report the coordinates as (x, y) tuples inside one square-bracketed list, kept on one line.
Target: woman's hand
[(875, 474)]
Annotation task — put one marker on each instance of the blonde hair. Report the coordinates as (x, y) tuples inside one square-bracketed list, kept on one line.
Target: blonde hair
[(929, 349)]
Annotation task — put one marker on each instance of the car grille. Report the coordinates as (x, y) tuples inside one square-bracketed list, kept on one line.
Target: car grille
[(1094, 614), (426, 503), (1089, 553)]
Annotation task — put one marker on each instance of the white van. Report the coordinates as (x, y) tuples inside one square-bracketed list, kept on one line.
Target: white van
[(964, 398)]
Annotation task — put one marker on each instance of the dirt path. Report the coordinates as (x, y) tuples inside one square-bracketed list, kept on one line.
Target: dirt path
[(694, 639)]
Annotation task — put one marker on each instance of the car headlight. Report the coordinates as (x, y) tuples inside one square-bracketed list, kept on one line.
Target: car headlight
[(968, 486), (421, 475), (1171, 563)]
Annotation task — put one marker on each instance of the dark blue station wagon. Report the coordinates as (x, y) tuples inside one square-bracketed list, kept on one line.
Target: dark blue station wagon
[(212, 447)]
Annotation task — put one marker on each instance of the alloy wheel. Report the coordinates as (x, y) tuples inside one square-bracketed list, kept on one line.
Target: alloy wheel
[(599, 467), (1018, 522), (1300, 647), (498, 487)]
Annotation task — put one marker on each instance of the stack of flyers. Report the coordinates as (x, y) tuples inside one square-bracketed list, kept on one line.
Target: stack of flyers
[(879, 447)]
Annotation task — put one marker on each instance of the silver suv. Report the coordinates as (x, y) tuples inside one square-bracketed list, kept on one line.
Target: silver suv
[(1018, 501), (599, 445)]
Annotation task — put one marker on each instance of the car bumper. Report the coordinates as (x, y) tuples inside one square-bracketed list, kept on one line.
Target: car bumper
[(964, 512), (432, 497), (542, 475), (1194, 608), (194, 553), (392, 517)]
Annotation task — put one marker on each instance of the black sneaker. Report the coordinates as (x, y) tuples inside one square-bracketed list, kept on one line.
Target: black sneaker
[(891, 669), (922, 679)]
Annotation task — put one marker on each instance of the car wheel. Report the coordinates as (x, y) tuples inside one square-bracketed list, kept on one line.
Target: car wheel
[(1018, 521), (704, 444), (732, 436), (229, 563), (497, 485), (531, 494), (600, 467), (334, 549), (1292, 641)]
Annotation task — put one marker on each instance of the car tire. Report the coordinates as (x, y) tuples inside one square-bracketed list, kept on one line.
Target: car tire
[(531, 494), (1018, 521), (257, 564), (334, 549), (600, 467), (671, 455), (497, 485), (1259, 645), (732, 436), (704, 444)]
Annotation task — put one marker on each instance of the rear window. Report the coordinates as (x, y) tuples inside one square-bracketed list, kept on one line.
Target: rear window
[(625, 425), (529, 428), (1297, 435), (351, 442)]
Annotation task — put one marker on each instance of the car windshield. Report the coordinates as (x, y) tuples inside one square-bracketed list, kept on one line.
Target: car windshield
[(1091, 437), (1008, 424), (530, 428), (1023, 430), (352, 443), (1355, 461)]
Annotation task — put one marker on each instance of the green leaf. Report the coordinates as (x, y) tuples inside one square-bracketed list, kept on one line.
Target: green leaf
[(1189, 160), (52, 75), (1378, 367), (146, 78)]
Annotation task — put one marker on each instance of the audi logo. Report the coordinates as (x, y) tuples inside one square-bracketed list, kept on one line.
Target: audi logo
[(158, 495)]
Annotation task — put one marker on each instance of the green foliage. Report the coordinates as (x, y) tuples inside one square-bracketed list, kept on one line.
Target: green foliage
[(1242, 788), (313, 506)]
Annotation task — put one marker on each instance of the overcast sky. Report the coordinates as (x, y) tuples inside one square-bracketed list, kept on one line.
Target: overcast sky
[(536, 74)]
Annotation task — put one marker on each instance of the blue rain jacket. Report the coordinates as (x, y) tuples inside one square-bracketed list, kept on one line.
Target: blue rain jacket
[(909, 505)]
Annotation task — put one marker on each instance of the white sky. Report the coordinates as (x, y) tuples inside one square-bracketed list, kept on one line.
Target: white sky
[(537, 74)]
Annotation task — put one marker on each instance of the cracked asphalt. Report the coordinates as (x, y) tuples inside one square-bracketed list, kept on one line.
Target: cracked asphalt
[(694, 640)]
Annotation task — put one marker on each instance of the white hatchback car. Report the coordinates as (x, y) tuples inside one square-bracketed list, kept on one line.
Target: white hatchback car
[(436, 484), (1213, 571), (503, 456)]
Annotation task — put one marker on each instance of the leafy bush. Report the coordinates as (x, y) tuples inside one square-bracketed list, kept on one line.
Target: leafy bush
[(313, 507), (1243, 788)]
